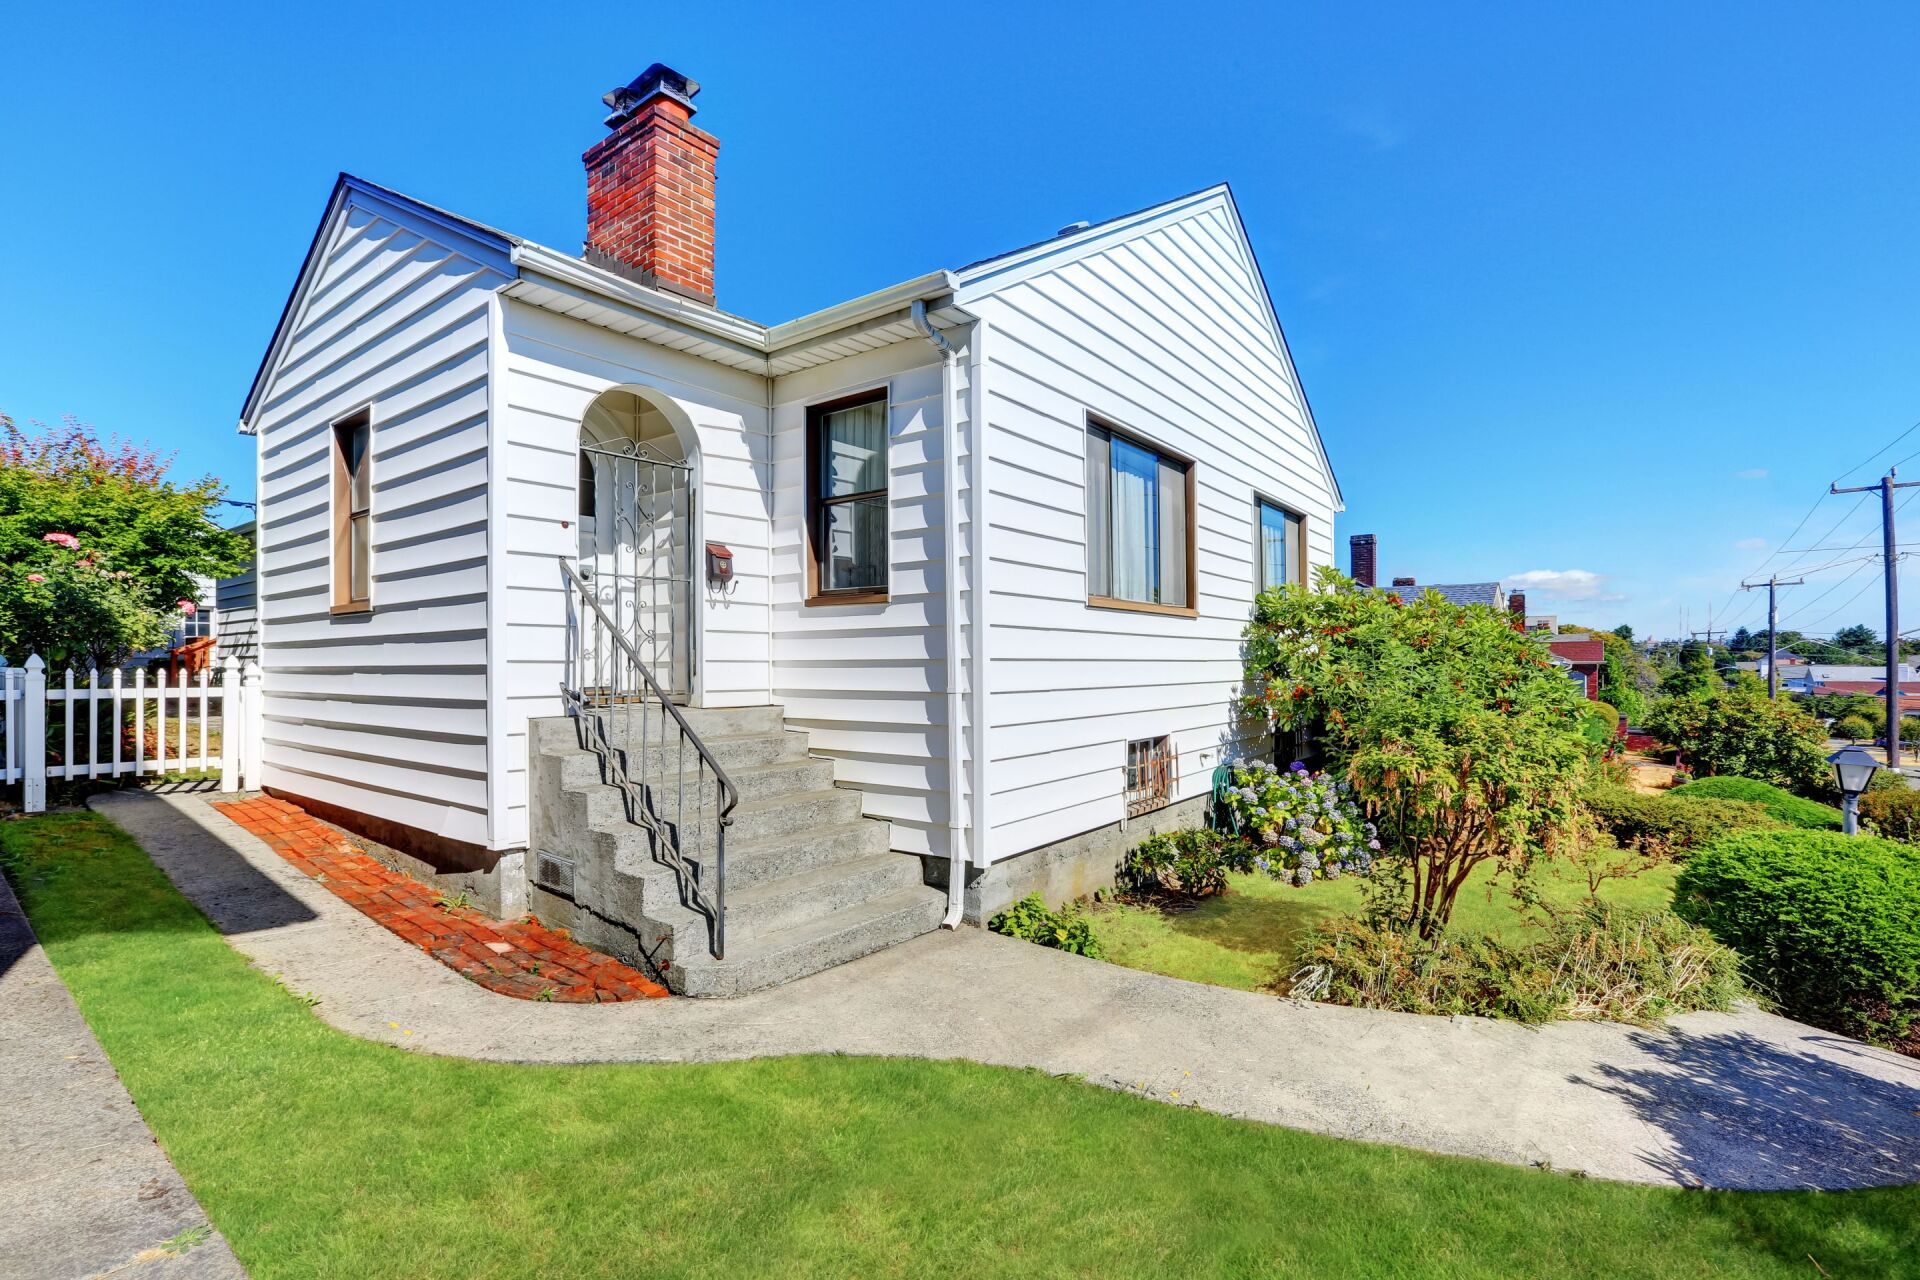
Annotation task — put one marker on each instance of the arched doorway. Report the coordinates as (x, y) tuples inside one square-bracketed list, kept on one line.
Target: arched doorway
[(636, 533)]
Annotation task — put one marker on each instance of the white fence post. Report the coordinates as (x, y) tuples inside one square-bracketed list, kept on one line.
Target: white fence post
[(233, 724), (253, 706), (33, 736)]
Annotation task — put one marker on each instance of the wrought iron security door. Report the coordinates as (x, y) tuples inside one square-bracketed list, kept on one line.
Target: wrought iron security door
[(636, 555)]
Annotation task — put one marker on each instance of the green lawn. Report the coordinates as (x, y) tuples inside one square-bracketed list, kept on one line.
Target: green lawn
[(1240, 938), (322, 1155)]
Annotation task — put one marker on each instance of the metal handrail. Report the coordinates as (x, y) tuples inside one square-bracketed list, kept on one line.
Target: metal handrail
[(648, 803)]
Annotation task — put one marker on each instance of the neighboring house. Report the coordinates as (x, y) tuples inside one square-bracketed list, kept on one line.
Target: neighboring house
[(1582, 656), (971, 554), (1804, 677), (1363, 561), (1909, 691), (236, 614)]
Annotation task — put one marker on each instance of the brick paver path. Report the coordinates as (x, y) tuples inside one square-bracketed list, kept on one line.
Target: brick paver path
[(523, 959)]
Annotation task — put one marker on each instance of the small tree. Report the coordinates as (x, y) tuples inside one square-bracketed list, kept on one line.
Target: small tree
[(99, 550), (1853, 728), (1456, 731), (1744, 734)]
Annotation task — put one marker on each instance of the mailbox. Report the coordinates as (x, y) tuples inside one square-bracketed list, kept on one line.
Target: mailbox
[(719, 564)]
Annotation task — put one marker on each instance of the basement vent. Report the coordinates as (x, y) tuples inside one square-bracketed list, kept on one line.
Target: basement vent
[(554, 873)]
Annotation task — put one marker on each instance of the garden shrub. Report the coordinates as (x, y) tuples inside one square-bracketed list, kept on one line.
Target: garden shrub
[(1308, 825), (1064, 930), (1829, 924), (1892, 812), (1603, 962), (1854, 728), (1457, 733), (1600, 724), (1191, 863), (1794, 811), (1665, 826), (1744, 734)]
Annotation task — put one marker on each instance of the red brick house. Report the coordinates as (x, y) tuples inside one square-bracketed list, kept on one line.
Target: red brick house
[(1582, 656)]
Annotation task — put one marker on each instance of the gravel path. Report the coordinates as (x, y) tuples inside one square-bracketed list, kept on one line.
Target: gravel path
[(1744, 1100)]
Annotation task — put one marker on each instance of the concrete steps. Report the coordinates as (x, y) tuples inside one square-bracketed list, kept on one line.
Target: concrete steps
[(810, 882)]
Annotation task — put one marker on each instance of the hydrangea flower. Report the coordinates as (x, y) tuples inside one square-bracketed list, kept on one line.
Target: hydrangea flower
[(66, 540), (1302, 878)]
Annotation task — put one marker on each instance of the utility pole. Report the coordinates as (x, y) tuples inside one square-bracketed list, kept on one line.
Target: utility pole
[(1891, 568), (1773, 586), (1709, 633)]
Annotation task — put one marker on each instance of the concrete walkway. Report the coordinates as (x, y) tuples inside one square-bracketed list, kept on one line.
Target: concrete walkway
[(84, 1189), (1742, 1100)]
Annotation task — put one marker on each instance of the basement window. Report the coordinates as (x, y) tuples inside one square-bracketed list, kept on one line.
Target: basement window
[(1150, 775)]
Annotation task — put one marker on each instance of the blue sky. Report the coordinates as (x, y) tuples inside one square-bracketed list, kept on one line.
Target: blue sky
[(1607, 295)]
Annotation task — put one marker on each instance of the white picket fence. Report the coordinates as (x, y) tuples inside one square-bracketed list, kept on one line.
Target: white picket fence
[(133, 710)]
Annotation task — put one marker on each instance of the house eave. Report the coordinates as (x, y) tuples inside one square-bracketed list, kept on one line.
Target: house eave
[(569, 286)]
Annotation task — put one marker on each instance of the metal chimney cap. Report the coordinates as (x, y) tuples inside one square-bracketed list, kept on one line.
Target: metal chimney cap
[(1072, 227), (658, 80)]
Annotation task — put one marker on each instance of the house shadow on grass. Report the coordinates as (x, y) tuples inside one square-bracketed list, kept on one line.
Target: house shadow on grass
[(1744, 1113)]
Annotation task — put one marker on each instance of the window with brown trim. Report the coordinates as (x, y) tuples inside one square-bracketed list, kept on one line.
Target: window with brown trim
[(353, 513), (1279, 546), (847, 500), (1140, 525), (1151, 775)]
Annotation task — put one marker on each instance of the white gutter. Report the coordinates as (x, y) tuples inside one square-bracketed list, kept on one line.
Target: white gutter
[(950, 539)]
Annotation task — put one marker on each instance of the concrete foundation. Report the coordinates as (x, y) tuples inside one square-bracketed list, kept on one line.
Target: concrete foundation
[(1076, 867)]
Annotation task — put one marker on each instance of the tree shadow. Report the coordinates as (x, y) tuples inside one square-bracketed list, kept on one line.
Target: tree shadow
[(1744, 1113)]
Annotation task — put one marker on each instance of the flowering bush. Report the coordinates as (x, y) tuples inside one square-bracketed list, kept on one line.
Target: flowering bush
[(1309, 823), (1456, 732), (100, 550)]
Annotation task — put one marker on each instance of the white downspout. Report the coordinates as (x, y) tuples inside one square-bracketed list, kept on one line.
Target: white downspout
[(980, 664), (950, 540)]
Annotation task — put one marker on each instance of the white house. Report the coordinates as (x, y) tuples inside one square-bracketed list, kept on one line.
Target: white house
[(957, 569)]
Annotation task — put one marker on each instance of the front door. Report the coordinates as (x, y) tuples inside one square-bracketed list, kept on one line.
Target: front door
[(636, 549)]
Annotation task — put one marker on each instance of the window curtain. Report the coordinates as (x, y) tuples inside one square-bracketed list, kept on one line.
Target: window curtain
[(1099, 513), (1172, 582), (856, 452), (1273, 546), (853, 459), (1136, 519)]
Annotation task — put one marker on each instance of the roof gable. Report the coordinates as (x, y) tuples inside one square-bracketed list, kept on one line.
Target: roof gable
[(1214, 204), (485, 245)]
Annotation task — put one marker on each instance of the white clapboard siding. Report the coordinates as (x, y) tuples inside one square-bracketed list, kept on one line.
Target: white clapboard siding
[(384, 713), (1166, 331), (868, 682), (555, 368), (236, 625)]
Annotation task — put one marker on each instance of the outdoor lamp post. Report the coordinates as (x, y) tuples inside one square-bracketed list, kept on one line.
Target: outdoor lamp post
[(1853, 768)]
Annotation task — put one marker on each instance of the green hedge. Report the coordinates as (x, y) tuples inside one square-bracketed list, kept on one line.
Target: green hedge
[(1793, 810), (1828, 924), (1665, 827)]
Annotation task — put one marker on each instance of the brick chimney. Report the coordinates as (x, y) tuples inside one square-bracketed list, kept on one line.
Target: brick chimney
[(650, 187), (1404, 582), (1360, 561), (1517, 606)]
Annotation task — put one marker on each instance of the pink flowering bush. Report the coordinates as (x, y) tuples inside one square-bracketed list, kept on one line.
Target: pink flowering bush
[(97, 544)]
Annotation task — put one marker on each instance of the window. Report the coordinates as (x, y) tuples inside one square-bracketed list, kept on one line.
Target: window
[(197, 625), (352, 513), (1150, 775), (847, 500), (1280, 546), (1139, 525)]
